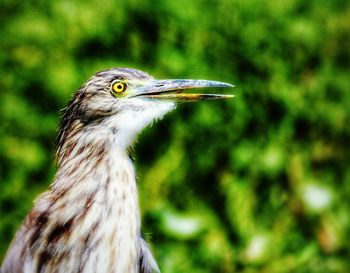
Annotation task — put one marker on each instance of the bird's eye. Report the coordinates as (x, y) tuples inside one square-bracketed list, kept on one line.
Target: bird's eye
[(118, 87)]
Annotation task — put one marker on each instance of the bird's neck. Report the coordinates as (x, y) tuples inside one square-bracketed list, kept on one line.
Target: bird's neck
[(95, 187)]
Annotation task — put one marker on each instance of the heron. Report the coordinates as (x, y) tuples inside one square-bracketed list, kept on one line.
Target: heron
[(89, 220)]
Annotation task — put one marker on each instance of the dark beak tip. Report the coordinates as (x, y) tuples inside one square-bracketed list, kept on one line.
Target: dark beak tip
[(218, 84), (228, 85)]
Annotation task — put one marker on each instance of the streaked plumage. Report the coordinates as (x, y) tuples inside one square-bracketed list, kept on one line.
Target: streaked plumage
[(89, 219)]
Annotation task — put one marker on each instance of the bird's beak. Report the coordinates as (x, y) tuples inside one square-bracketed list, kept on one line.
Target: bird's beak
[(172, 90)]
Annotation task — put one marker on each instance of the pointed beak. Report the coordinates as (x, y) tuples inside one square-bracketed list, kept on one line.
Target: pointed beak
[(172, 90)]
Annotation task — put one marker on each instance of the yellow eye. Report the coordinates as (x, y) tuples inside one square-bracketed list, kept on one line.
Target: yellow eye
[(118, 87)]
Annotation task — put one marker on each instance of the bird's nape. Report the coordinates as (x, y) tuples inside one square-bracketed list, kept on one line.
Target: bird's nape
[(89, 219)]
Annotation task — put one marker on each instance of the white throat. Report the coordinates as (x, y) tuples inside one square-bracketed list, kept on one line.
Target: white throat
[(129, 122)]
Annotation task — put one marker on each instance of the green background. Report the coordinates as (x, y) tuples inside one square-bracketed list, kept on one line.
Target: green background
[(259, 183)]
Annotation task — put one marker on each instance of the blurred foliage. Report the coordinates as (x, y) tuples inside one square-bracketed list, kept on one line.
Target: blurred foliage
[(260, 183)]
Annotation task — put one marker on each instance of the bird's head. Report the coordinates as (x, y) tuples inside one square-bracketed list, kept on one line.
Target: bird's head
[(124, 101)]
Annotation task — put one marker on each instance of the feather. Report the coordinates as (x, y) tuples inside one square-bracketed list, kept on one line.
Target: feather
[(147, 262)]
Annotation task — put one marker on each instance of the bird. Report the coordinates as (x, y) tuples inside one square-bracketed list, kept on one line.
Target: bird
[(88, 220)]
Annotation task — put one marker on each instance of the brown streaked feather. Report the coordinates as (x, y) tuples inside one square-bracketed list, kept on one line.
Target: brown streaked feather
[(88, 220)]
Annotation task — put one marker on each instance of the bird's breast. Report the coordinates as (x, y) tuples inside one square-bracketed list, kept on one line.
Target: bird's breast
[(112, 221), (91, 226)]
